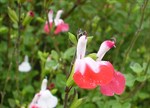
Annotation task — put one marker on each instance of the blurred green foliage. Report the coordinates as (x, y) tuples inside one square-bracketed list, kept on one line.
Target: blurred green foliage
[(126, 20)]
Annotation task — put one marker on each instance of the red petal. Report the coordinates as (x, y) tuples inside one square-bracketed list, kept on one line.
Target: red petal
[(89, 73), (46, 27), (62, 27), (105, 73), (117, 85), (106, 90), (83, 79)]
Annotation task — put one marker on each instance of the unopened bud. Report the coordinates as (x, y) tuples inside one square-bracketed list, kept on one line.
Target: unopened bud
[(28, 18)]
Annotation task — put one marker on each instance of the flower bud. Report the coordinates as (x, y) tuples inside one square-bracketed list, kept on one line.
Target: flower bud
[(28, 18)]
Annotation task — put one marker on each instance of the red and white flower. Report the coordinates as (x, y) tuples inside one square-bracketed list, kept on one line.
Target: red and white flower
[(44, 99), (89, 73), (60, 25)]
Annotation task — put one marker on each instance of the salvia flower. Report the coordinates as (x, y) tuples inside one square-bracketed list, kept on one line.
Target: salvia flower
[(60, 25), (25, 65), (89, 73), (44, 99), (117, 85)]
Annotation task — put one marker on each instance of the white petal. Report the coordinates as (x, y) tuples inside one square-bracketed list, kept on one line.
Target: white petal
[(102, 51), (44, 84), (81, 47), (80, 65), (47, 100), (50, 16), (92, 64), (57, 19), (24, 67)]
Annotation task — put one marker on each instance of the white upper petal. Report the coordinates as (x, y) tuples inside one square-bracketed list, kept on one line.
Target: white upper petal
[(81, 47), (44, 84), (92, 64), (102, 51), (50, 16), (57, 19), (80, 65)]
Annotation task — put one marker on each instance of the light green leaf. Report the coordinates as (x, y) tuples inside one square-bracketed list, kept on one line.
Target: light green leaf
[(93, 56), (69, 53), (136, 68), (130, 79), (51, 65), (76, 103), (126, 105), (39, 19), (12, 103), (54, 55), (12, 15), (72, 38), (3, 30), (89, 39), (141, 78)]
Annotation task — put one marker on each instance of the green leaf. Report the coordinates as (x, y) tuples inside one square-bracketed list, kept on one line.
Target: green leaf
[(12, 15), (136, 68), (53, 91), (54, 55), (12, 103), (141, 78), (89, 105), (89, 39), (3, 30), (69, 53), (93, 56), (51, 65), (77, 102), (126, 105), (60, 81), (130, 79), (143, 95), (43, 55), (39, 19), (72, 38), (28, 89)]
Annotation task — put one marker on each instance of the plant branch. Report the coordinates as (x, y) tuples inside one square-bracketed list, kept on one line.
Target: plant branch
[(67, 90), (137, 33), (76, 4)]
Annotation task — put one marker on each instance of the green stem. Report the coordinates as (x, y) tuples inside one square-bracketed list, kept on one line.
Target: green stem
[(17, 52), (67, 90)]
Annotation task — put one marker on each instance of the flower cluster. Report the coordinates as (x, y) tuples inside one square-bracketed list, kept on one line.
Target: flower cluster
[(44, 99), (89, 73), (60, 25)]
